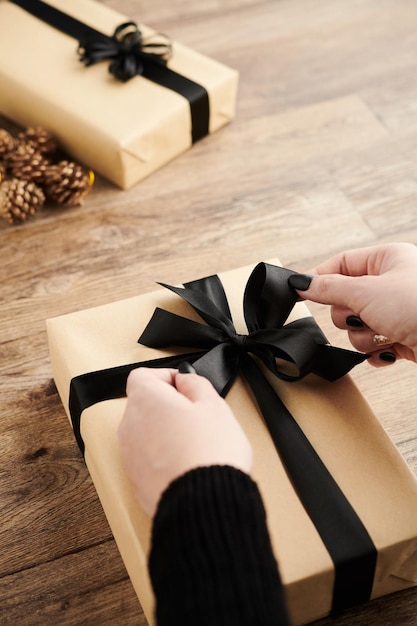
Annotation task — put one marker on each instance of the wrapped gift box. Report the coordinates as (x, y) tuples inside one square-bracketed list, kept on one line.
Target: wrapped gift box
[(333, 415), (123, 130)]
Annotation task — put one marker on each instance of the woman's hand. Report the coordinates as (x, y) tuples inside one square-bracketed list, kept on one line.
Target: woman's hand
[(373, 295), (174, 423)]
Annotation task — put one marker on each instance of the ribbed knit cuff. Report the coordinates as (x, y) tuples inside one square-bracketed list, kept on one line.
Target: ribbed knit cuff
[(211, 561)]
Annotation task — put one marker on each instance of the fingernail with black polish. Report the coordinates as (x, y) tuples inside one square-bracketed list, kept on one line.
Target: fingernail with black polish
[(387, 357), (300, 281), (354, 321), (186, 368)]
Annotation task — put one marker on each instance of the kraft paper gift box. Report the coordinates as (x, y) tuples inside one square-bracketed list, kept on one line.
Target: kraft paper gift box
[(338, 423), (123, 130)]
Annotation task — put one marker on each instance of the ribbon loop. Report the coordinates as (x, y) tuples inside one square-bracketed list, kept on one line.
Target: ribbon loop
[(127, 50)]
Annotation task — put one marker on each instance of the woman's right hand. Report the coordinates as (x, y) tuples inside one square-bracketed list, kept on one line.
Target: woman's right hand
[(373, 295)]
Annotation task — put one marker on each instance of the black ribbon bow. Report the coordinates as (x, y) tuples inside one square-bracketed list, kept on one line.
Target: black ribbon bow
[(223, 354), (127, 49), (267, 303)]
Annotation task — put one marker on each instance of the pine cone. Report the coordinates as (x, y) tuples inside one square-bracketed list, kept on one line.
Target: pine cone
[(7, 143), (27, 164), (68, 183), (39, 138), (19, 199)]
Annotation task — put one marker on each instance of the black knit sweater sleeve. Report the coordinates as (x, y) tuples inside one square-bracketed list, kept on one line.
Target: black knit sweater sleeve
[(211, 561)]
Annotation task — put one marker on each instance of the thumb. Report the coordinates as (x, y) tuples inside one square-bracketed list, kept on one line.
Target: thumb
[(333, 289), (194, 387)]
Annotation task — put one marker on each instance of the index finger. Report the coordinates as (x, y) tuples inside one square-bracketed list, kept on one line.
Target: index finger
[(149, 376)]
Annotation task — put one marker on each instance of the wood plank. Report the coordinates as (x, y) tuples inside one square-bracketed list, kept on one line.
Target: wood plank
[(55, 593), (48, 502)]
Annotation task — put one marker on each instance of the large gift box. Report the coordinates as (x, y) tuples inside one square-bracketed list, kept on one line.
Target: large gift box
[(123, 127), (341, 501)]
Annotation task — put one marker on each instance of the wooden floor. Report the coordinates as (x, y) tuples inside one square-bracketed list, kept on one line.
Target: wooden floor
[(322, 156)]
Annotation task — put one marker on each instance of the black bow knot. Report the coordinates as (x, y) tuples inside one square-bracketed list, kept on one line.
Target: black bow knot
[(240, 340), (127, 50)]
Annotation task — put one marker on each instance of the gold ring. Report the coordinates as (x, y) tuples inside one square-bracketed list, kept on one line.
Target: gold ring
[(381, 340)]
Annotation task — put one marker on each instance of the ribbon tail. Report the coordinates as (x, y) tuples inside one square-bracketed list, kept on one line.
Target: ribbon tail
[(212, 286), (332, 363), (168, 329), (213, 311), (342, 532)]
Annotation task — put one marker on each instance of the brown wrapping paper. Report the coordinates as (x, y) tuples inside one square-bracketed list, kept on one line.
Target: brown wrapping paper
[(124, 131), (335, 417)]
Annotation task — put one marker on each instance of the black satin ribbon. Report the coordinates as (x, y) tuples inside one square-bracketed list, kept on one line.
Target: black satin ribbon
[(223, 354), (130, 55)]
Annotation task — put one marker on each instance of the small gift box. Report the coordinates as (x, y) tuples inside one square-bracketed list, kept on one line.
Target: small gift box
[(160, 97), (341, 501)]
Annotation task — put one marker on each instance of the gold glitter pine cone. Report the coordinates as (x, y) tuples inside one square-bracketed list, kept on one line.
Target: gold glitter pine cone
[(68, 183), (39, 138), (27, 163), (7, 144), (19, 199)]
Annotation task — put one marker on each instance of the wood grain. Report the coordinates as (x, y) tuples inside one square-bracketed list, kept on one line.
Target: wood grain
[(321, 157)]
